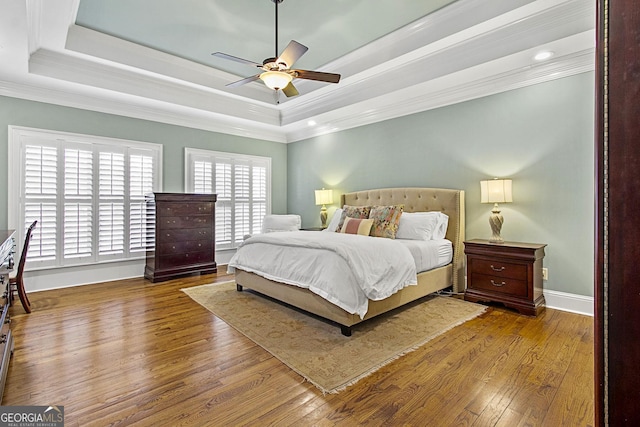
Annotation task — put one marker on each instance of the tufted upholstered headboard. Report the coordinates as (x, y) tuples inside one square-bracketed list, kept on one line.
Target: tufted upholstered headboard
[(450, 202)]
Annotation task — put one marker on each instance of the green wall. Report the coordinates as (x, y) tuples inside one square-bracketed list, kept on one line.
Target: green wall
[(20, 112), (541, 136)]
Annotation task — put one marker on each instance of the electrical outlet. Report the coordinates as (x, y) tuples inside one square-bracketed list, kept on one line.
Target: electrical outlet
[(545, 274)]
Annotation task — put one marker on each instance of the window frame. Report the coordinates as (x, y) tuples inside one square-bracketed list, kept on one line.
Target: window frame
[(191, 155), (19, 138)]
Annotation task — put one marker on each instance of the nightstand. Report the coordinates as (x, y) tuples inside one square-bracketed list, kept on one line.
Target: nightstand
[(509, 273)]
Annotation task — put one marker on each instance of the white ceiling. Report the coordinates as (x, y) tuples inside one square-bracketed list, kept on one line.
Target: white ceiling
[(151, 59)]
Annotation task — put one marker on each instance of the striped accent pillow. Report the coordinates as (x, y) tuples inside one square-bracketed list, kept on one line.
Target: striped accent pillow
[(357, 226)]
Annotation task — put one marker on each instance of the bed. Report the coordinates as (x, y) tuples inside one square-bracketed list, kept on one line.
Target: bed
[(448, 201)]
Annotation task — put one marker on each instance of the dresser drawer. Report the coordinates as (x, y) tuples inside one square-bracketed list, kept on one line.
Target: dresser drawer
[(181, 209), (184, 246), (181, 235), (498, 268), (503, 285), (192, 221), (189, 258)]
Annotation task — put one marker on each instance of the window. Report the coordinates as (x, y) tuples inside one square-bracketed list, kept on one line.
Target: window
[(87, 194), (243, 187)]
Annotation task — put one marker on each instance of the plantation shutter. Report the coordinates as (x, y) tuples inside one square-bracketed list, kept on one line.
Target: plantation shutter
[(78, 203), (242, 190), (88, 196), (241, 184), (142, 177), (224, 204), (111, 217), (40, 196)]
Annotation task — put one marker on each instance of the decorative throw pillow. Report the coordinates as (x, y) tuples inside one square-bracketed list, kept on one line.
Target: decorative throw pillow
[(357, 226), (385, 220), (353, 212)]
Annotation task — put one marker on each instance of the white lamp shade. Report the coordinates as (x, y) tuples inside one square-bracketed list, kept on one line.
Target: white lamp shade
[(324, 197), (496, 191), (276, 79)]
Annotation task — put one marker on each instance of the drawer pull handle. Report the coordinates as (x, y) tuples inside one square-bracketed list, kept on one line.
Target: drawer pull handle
[(498, 284), (497, 269)]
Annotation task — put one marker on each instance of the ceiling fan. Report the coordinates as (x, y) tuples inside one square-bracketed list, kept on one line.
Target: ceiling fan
[(276, 72)]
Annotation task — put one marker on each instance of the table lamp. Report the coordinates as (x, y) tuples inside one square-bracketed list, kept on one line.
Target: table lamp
[(496, 191), (324, 197)]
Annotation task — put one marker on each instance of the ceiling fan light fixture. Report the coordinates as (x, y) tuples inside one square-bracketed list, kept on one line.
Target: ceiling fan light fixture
[(276, 79)]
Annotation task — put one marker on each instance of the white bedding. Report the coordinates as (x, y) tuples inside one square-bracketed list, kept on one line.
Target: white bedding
[(345, 269), (429, 254)]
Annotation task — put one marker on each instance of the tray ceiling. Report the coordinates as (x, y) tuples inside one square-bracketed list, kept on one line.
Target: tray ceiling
[(151, 59)]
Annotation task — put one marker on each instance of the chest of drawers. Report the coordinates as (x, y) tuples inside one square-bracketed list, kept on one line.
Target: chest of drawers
[(509, 273), (183, 241)]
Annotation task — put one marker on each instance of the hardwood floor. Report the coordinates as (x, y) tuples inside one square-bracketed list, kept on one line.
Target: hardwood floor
[(136, 353)]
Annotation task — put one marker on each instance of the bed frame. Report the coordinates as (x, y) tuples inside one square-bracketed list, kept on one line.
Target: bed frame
[(451, 202)]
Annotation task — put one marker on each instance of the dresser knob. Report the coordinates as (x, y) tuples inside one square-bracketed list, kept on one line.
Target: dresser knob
[(497, 269), (498, 284), (3, 338)]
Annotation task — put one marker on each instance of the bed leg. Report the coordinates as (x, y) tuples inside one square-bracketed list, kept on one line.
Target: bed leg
[(346, 330), (238, 287)]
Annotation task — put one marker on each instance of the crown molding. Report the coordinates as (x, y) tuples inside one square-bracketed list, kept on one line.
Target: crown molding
[(473, 83), (122, 80), (129, 106)]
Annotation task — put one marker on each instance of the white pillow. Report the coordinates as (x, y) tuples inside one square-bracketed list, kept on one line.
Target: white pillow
[(272, 223), (441, 229), (422, 225), (335, 220)]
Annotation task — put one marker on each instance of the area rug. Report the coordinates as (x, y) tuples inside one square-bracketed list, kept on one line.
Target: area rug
[(316, 349)]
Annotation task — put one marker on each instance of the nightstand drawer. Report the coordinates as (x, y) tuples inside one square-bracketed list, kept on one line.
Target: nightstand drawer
[(498, 268), (503, 285)]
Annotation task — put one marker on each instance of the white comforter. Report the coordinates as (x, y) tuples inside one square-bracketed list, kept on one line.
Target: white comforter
[(345, 269)]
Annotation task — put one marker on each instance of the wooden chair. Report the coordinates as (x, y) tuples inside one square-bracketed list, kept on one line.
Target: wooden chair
[(16, 284)]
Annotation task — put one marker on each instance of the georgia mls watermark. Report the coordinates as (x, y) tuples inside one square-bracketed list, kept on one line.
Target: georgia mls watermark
[(31, 416)]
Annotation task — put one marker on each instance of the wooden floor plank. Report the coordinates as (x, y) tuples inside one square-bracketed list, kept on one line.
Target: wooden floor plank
[(133, 352)]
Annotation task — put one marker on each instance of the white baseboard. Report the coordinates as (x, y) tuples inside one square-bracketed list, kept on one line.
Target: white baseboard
[(573, 303), (56, 278), (74, 276)]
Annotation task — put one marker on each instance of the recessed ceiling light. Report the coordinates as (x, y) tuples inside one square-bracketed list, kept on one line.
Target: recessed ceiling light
[(543, 55), (311, 123)]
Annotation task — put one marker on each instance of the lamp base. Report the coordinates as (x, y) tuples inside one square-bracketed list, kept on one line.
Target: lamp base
[(323, 216), (495, 221)]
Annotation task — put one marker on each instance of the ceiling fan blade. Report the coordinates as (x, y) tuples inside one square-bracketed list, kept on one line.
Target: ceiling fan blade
[(236, 59), (290, 90), (244, 81), (317, 75), (292, 53)]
